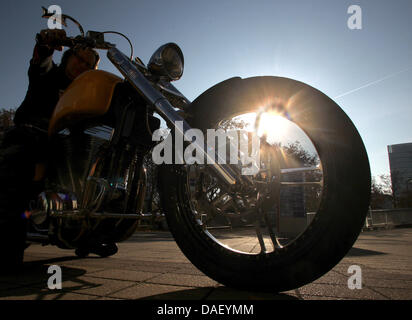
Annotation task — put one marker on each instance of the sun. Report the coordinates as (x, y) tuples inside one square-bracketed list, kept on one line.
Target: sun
[(273, 125)]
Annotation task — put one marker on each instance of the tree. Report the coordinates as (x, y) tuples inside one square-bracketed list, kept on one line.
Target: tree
[(6, 119), (381, 192), (300, 156), (386, 184), (232, 124)]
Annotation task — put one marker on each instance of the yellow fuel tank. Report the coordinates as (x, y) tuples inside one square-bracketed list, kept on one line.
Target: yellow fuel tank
[(89, 95)]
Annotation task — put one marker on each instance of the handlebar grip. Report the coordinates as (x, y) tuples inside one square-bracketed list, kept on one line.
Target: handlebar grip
[(71, 42), (67, 42)]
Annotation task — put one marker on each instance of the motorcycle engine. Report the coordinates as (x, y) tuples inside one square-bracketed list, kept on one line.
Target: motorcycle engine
[(75, 156)]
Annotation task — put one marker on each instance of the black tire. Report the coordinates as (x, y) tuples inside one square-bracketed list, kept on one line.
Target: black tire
[(343, 206)]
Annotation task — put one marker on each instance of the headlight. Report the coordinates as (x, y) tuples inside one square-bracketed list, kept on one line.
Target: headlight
[(167, 61)]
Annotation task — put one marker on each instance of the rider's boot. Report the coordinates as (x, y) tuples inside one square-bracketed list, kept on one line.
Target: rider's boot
[(101, 249), (12, 244)]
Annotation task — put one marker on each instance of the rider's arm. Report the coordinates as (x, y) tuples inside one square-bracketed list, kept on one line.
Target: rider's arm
[(42, 59), (47, 42)]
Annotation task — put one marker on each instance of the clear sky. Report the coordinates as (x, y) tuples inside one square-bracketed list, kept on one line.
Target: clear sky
[(368, 72)]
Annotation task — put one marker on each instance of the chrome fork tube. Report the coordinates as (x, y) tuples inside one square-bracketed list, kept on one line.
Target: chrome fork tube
[(166, 110)]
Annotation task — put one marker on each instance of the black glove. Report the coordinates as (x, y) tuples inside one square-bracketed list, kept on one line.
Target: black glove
[(51, 38)]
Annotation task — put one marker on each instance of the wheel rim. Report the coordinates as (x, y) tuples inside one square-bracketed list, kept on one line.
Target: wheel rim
[(246, 224)]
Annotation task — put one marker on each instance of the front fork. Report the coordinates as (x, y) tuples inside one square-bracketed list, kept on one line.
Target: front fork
[(229, 175)]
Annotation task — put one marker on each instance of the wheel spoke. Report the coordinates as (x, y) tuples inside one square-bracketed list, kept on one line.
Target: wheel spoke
[(218, 198), (260, 236), (272, 234), (302, 169), (305, 183)]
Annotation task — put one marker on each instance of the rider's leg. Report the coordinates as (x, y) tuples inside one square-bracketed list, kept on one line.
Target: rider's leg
[(17, 163)]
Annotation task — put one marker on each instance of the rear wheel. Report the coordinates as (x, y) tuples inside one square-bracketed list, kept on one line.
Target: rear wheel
[(243, 240)]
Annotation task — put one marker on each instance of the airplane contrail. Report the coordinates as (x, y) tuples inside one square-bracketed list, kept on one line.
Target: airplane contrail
[(373, 82)]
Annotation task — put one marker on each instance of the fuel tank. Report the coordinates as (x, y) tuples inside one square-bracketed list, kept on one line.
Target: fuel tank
[(88, 96)]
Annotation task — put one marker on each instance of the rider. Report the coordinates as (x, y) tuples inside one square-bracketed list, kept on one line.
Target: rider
[(48, 81), (25, 146)]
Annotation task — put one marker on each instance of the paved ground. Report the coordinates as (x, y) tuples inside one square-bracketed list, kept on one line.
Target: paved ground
[(150, 266)]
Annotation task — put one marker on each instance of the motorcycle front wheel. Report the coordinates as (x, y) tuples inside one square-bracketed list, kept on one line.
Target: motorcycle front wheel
[(228, 236)]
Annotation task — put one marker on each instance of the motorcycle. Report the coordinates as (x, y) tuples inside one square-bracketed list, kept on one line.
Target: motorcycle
[(233, 227)]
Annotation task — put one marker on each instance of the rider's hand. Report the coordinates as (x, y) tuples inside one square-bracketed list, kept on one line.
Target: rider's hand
[(52, 38)]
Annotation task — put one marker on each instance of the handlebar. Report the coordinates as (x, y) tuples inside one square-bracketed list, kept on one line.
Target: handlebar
[(92, 39)]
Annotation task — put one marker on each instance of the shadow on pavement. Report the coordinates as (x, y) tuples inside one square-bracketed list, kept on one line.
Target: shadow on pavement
[(31, 282), (357, 252), (151, 236), (220, 293)]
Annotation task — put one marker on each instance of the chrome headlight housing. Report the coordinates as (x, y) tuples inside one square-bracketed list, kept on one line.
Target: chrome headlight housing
[(167, 61)]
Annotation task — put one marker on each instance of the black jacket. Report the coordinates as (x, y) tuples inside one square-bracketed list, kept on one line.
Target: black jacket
[(47, 81)]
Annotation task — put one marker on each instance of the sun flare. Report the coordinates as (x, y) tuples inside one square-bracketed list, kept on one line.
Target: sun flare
[(273, 125)]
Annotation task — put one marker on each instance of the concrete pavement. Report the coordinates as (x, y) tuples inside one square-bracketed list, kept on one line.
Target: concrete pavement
[(150, 266)]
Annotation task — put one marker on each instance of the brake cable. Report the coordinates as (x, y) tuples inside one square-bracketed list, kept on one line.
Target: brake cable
[(121, 34)]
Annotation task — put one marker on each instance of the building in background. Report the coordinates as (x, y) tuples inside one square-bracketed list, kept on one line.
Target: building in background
[(292, 198), (400, 162)]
